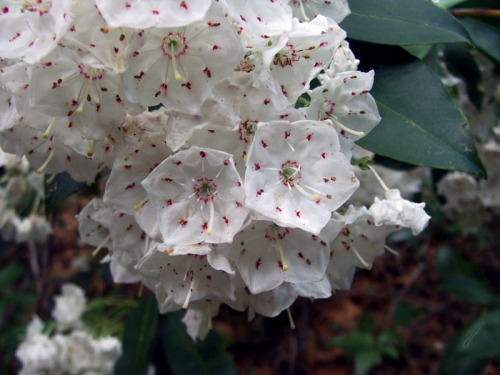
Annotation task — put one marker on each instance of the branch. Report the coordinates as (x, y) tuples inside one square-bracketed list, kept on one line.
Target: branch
[(475, 12)]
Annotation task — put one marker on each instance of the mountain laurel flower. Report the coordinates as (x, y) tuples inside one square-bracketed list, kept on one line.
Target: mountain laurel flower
[(296, 175), (198, 195)]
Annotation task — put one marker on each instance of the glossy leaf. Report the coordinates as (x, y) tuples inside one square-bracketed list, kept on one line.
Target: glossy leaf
[(468, 289), (139, 338), (453, 362), (59, 188), (186, 357), (484, 36), (421, 123), (482, 338), (402, 22)]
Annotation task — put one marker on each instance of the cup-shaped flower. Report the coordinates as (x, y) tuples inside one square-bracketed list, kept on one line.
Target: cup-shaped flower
[(198, 195), (268, 255), (296, 175)]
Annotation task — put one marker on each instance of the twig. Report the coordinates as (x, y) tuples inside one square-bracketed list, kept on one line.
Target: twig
[(475, 12)]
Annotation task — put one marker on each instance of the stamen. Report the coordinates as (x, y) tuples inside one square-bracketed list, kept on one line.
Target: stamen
[(51, 179), (146, 245), (101, 245), (361, 260), (49, 128), (44, 166), (280, 250), (392, 251), (211, 218), (384, 186), (210, 325), (306, 194), (90, 152), (345, 128), (302, 10), (178, 77), (79, 110), (141, 288), (101, 168), (289, 313), (290, 145), (188, 297), (139, 205)]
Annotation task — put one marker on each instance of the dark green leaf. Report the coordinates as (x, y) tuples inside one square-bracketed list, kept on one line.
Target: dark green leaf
[(401, 22), (453, 362), (484, 36), (405, 314), (469, 289), (421, 123), (419, 50), (450, 262), (365, 360), (481, 339), (60, 188), (463, 64), (139, 338), (188, 358), (9, 275)]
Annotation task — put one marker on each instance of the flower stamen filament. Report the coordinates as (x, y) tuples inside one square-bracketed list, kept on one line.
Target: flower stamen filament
[(79, 110), (44, 165), (280, 250), (141, 203), (45, 135), (178, 77), (379, 179), (101, 245), (303, 11), (343, 127), (211, 217), (360, 258), (188, 297)]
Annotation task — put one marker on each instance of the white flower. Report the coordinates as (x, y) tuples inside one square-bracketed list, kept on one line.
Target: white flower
[(395, 210), (38, 353), (268, 255), (69, 307), (199, 197), (142, 14), (296, 175), (337, 10)]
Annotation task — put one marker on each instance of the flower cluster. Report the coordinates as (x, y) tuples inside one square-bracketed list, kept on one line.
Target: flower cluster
[(69, 350), (469, 201), (21, 192), (229, 175)]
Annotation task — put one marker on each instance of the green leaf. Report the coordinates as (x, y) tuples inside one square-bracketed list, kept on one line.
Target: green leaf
[(139, 338), (9, 275), (188, 358), (419, 50), (450, 262), (60, 188), (365, 360), (453, 362), (484, 36), (401, 22), (469, 289), (481, 339), (421, 123)]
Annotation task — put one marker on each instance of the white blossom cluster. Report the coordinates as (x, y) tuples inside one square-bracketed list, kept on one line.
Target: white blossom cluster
[(70, 350), (21, 191), (469, 201), (236, 188)]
